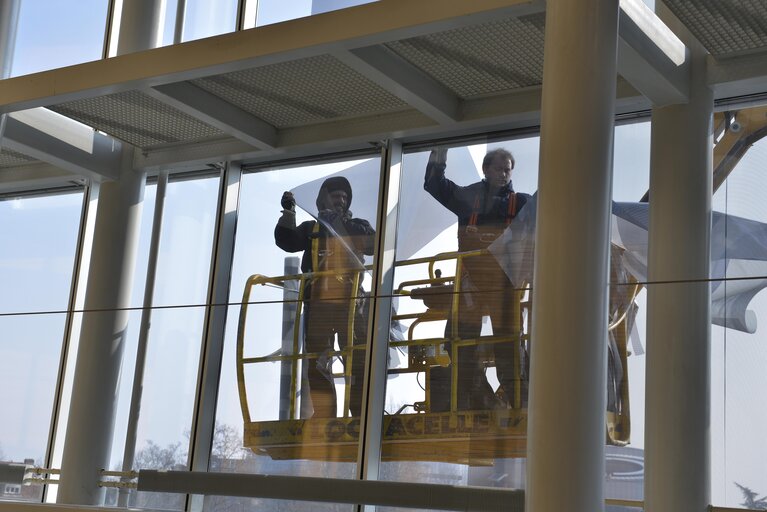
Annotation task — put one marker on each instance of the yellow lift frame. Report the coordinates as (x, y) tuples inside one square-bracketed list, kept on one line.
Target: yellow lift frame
[(471, 437)]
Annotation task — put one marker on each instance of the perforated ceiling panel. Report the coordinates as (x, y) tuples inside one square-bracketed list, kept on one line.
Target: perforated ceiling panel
[(303, 91), (10, 158), (137, 118), (725, 26), (488, 58)]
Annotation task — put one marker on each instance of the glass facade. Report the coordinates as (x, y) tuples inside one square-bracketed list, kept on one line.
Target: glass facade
[(739, 313), (293, 396), (38, 237), (274, 11), (43, 42), (270, 384)]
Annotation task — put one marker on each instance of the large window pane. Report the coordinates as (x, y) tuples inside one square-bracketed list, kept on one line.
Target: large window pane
[(38, 237), (624, 464), (274, 11), (174, 341), (53, 34), (739, 314), (469, 417), (457, 388), (300, 390), (205, 18)]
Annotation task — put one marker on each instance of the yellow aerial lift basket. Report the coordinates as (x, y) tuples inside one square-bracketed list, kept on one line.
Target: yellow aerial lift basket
[(471, 437)]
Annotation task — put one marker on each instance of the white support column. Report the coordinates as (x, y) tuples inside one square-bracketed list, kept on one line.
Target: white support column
[(94, 391), (566, 423), (91, 418), (678, 384), (9, 18)]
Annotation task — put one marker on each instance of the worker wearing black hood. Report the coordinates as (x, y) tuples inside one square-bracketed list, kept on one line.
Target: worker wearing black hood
[(335, 243)]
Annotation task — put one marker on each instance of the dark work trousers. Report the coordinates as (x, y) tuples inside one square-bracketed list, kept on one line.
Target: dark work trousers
[(323, 320), (485, 291)]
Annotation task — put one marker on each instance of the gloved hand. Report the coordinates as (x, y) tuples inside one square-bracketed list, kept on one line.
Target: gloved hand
[(288, 202), (438, 155)]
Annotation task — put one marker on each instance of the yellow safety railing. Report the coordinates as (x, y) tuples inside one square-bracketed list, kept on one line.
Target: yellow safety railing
[(295, 356), (520, 335)]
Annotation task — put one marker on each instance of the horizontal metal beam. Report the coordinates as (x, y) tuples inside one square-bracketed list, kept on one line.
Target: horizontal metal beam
[(334, 490), (738, 76), (651, 57), (63, 143), (516, 110), (404, 80), (36, 176), (17, 506), (356, 27), (216, 112)]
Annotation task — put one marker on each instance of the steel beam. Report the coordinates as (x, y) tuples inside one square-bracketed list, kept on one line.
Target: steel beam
[(517, 109), (61, 142), (364, 25), (737, 76), (214, 111), (404, 80), (332, 490), (35, 176), (650, 56)]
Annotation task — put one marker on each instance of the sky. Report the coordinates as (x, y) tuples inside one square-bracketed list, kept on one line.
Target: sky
[(55, 33)]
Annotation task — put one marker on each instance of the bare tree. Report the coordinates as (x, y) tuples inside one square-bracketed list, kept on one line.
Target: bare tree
[(153, 456), (750, 499), (227, 442)]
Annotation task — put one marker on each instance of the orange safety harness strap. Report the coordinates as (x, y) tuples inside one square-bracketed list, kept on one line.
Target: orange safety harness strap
[(510, 211)]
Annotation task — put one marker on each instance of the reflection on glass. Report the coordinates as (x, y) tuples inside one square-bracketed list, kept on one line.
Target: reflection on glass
[(204, 18), (53, 34), (739, 310), (38, 236), (174, 340), (457, 389), (624, 455), (333, 246), (461, 340), (275, 11), (295, 350)]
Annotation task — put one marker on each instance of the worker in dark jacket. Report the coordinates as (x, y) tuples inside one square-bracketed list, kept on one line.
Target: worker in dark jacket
[(484, 210), (334, 244)]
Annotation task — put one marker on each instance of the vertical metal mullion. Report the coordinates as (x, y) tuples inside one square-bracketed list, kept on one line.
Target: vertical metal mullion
[(255, 12), (212, 351), (240, 22), (9, 18), (108, 29), (374, 391), (129, 449), (75, 284), (178, 28)]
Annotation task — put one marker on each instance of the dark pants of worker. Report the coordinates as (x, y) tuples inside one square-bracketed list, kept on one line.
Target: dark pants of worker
[(485, 292), (322, 322)]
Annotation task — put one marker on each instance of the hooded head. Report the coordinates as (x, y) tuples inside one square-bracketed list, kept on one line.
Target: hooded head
[(330, 185)]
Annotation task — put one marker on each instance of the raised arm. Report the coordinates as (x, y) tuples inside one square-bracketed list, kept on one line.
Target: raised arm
[(287, 235), (440, 187)]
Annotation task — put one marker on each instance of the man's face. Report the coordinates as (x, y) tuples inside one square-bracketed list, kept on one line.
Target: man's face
[(498, 172), (337, 200)]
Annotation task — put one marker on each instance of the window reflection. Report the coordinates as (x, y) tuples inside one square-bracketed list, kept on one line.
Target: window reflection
[(38, 237), (458, 377), (53, 34), (275, 11), (739, 308), (204, 18), (295, 350), (458, 383), (175, 336)]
